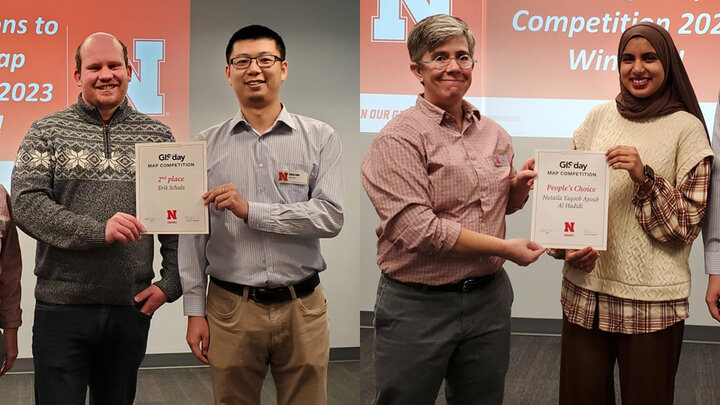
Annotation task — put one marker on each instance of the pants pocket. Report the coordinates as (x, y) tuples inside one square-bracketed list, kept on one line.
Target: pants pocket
[(313, 304), (221, 303)]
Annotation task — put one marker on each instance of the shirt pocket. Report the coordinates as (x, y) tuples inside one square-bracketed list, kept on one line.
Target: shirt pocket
[(451, 185), (498, 180), (287, 183)]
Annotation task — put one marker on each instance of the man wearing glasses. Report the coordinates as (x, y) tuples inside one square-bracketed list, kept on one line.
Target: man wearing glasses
[(275, 184), (441, 178)]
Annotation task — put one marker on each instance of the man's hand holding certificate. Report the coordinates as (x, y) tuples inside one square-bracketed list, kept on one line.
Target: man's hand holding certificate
[(170, 178), (570, 203)]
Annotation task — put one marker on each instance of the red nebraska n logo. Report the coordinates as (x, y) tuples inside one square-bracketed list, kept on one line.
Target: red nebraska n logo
[(569, 226), (282, 176), (172, 214)]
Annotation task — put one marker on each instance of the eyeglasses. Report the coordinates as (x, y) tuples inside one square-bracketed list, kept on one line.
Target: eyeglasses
[(441, 62), (263, 61)]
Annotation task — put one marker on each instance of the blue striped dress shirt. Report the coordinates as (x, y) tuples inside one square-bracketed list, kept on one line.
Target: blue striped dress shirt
[(279, 243), (711, 228)]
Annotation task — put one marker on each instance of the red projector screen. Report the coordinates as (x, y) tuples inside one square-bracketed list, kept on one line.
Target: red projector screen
[(37, 47), (542, 65)]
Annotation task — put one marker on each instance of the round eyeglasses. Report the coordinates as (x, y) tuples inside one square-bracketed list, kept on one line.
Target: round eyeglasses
[(263, 61), (441, 62)]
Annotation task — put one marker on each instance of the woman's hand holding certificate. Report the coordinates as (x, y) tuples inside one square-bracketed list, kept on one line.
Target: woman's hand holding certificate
[(570, 203)]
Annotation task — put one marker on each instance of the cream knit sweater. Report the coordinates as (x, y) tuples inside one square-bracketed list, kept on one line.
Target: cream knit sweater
[(635, 265)]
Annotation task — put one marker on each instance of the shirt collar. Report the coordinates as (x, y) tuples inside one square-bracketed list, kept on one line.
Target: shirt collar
[(438, 114), (283, 118)]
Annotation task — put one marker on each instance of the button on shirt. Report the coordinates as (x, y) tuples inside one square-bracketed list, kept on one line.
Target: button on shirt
[(291, 176), (427, 180)]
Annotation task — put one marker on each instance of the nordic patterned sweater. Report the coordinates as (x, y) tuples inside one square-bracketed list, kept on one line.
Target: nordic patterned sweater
[(72, 173)]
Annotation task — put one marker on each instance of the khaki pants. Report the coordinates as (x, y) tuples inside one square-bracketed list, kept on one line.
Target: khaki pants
[(292, 337)]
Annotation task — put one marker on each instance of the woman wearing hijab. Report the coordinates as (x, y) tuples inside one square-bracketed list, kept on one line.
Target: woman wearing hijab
[(628, 303)]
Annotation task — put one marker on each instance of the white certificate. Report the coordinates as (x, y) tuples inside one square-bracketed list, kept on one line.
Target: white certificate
[(570, 202), (170, 180)]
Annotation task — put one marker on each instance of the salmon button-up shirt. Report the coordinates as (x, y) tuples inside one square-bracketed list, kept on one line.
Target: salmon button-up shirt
[(427, 180)]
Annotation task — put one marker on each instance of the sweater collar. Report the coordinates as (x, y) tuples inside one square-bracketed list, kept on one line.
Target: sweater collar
[(91, 114)]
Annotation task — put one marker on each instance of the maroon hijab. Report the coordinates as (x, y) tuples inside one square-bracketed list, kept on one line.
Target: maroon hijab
[(674, 94)]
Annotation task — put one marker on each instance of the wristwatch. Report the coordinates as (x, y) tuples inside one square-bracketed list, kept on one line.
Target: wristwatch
[(649, 173)]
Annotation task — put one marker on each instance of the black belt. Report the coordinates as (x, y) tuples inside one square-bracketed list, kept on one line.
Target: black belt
[(268, 295), (469, 284)]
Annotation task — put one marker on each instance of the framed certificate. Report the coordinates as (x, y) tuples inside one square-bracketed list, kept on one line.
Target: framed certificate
[(170, 179), (570, 202)]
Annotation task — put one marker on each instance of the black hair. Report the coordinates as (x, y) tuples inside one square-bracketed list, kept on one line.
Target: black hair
[(254, 32)]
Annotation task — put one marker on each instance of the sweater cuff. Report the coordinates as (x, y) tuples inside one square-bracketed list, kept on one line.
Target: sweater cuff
[(96, 235), (171, 291)]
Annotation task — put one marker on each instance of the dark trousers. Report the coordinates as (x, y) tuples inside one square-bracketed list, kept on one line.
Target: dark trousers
[(647, 364), (81, 346), (423, 337)]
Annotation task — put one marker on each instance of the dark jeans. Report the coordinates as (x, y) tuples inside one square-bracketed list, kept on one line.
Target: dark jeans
[(423, 337), (81, 346)]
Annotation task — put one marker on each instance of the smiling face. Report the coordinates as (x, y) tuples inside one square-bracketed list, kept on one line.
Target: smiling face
[(445, 88), (256, 87), (641, 71), (104, 76)]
